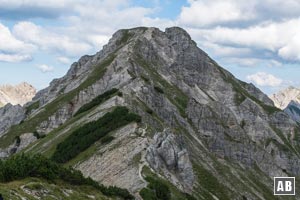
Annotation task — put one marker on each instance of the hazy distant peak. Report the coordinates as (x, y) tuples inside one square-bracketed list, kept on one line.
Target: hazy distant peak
[(283, 98), (16, 94)]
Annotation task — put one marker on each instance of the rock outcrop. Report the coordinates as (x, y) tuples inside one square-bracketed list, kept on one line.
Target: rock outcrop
[(10, 115), (167, 154)]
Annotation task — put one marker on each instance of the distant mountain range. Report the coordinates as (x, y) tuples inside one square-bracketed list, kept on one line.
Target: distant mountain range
[(289, 101), (16, 94)]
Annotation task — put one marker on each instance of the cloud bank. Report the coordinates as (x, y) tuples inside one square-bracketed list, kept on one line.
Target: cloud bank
[(245, 33)]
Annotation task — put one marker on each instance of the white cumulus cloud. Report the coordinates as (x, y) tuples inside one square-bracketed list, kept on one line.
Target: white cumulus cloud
[(264, 79), (201, 13), (45, 68), (63, 60), (13, 49), (204, 12), (280, 38), (14, 58), (49, 40)]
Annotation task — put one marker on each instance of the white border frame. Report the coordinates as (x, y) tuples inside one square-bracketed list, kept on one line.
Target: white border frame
[(285, 194)]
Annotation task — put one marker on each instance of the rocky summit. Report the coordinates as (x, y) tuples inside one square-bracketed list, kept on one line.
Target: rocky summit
[(288, 100), (153, 114), (16, 94)]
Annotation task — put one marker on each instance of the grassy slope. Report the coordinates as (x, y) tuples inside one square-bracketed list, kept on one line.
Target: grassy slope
[(175, 193), (49, 109), (61, 190), (48, 144), (241, 93)]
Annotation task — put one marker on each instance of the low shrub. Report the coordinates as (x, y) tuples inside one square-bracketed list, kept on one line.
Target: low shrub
[(107, 139), (148, 110), (158, 89), (83, 137), (23, 166), (155, 190), (97, 101)]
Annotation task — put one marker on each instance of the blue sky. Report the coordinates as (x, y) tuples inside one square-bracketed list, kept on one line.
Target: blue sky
[(257, 41)]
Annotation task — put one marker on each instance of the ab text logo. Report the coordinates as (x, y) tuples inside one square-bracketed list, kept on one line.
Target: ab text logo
[(284, 185)]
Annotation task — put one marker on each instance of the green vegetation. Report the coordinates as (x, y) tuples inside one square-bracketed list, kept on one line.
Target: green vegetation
[(46, 190), (22, 166), (210, 184), (281, 147), (287, 147), (136, 159), (238, 178), (107, 139), (83, 137), (148, 110), (243, 123), (83, 156), (173, 93), (132, 74), (145, 78), (156, 190), (125, 37), (97, 101), (158, 89), (255, 178), (120, 94), (37, 135), (160, 189), (18, 140), (239, 98), (48, 143), (241, 93), (50, 108), (32, 107), (157, 121), (296, 138), (34, 186)]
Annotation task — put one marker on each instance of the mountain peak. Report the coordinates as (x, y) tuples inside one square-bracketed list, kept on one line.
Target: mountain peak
[(284, 97), (151, 105), (16, 94), (176, 34), (289, 101)]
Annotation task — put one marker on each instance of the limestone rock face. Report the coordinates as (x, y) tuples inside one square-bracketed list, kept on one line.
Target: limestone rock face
[(201, 127), (17, 94), (10, 115), (167, 153), (24, 140), (118, 166)]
